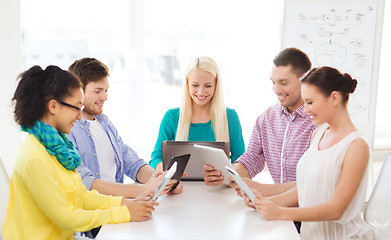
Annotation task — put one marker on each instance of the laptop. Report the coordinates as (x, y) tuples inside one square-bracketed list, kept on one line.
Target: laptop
[(194, 166)]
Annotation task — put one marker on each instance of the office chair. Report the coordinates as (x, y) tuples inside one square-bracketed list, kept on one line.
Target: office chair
[(4, 193), (378, 210)]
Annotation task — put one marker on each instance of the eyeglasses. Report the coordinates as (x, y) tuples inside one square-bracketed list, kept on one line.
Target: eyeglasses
[(80, 109)]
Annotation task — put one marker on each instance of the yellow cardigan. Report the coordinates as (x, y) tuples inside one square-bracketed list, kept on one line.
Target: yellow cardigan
[(49, 202)]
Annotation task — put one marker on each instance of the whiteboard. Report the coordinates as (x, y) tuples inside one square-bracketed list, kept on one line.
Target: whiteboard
[(345, 35)]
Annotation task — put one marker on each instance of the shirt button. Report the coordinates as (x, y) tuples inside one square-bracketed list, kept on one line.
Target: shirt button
[(94, 154), (89, 135), (97, 174)]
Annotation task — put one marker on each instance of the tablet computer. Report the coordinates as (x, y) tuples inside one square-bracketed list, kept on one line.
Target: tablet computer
[(238, 179), (165, 180), (181, 161), (194, 166), (215, 157)]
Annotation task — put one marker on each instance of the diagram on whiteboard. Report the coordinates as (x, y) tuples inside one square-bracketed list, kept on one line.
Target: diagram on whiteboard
[(339, 35)]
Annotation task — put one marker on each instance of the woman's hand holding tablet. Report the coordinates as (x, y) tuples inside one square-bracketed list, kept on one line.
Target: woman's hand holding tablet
[(241, 183)]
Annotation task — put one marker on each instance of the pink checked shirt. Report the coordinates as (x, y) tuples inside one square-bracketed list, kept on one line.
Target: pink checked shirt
[(279, 139)]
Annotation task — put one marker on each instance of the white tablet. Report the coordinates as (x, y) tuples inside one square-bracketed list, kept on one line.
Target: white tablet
[(165, 180), (215, 157), (238, 179)]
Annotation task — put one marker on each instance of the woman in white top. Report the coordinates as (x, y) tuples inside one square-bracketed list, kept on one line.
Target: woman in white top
[(332, 174)]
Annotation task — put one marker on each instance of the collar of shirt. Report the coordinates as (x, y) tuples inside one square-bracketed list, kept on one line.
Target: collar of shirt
[(297, 113), (102, 118)]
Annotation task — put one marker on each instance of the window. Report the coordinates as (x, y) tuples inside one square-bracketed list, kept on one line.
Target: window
[(148, 44), (58, 33), (234, 33)]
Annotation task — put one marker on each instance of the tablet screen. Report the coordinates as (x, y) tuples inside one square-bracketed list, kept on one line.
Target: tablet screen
[(238, 179), (165, 180), (215, 157), (182, 161)]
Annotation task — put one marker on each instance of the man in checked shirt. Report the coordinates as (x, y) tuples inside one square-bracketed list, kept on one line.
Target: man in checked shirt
[(281, 134)]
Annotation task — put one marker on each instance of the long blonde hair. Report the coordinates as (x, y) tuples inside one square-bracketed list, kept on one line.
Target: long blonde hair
[(218, 111)]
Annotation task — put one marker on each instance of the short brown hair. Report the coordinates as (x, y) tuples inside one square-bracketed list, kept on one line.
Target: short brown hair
[(89, 70), (294, 57)]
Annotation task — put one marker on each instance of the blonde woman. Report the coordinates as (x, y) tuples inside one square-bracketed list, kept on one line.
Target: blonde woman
[(202, 115)]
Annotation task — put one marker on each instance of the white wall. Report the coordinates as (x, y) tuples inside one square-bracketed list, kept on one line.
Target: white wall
[(10, 67)]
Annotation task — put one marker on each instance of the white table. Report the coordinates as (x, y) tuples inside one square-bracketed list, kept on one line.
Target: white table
[(202, 212)]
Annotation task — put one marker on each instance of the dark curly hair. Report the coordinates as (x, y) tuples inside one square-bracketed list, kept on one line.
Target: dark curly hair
[(328, 79), (37, 87)]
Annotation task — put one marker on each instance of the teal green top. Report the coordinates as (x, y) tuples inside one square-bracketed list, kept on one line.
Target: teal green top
[(198, 132)]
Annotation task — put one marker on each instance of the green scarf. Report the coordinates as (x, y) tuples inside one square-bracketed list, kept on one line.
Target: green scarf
[(56, 143)]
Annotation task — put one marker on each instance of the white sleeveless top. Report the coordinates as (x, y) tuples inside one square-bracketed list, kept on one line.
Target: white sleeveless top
[(318, 173)]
